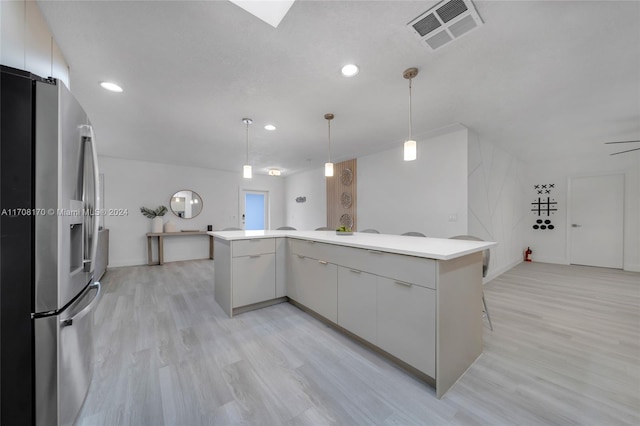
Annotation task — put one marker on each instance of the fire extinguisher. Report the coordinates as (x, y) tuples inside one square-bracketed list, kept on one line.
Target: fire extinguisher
[(527, 255)]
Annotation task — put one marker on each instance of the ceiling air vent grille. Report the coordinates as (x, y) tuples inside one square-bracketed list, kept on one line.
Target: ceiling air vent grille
[(445, 22), (426, 24), (451, 9)]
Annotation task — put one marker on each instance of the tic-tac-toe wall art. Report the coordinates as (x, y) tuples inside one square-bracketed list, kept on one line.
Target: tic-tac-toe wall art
[(544, 206)]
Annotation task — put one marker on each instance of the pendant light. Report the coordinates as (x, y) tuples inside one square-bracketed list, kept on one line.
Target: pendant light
[(246, 169), (328, 167), (410, 145)]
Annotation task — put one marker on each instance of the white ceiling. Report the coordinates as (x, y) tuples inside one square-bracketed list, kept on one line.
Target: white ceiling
[(542, 79)]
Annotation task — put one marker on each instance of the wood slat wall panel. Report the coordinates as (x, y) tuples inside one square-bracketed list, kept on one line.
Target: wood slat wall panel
[(335, 189)]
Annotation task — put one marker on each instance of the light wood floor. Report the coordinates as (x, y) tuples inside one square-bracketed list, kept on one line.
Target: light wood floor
[(565, 350)]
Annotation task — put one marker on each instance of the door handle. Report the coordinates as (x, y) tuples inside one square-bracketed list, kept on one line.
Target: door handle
[(575, 225), (86, 309), (89, 264)]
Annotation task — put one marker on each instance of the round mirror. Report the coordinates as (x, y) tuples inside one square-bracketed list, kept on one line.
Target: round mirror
[(186, 204)]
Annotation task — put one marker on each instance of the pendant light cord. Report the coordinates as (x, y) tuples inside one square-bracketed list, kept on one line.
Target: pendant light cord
[(410, 112), (329, 123), (247, 123)]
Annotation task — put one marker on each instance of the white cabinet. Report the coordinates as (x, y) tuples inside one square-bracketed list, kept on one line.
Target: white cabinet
[(281, 267), (249, 271), (322, 289), (295, 278), (314, 284), (407, 323), (357, 303), (393, 314), (254, 279)]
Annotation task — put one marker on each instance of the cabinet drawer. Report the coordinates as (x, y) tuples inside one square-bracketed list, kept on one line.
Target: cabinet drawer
[(407, 323), (312, 249), (253, 247), (411, 269), (254, 279)]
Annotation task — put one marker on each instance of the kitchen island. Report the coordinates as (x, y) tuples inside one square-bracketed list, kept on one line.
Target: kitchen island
[(417, 301)]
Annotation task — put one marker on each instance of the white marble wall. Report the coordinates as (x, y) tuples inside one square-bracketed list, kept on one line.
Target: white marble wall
[(495, 202)]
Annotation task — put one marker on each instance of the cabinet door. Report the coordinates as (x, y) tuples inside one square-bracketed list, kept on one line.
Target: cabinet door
[(314, 283), (357, 303), (321, 288), (254, 279), (281, 267), (407, 323), (295, 278)]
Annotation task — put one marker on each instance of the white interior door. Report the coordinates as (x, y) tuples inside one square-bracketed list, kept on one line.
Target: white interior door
[(254, 210), (597, 220)]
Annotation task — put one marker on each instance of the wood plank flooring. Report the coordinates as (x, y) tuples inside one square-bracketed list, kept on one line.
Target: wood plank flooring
[(565, 350)]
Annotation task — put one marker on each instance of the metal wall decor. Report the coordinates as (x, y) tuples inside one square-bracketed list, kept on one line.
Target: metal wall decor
[(301, 199), (346, 177), (544, 206), (345, 200), (346, 220)]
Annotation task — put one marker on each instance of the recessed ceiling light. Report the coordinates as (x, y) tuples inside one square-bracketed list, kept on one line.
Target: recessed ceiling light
[(270, 127), (111, 86), (350, 70), (274, 172)]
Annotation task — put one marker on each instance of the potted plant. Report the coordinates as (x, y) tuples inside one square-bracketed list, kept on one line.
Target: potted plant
[(344, 230), (156, 215)]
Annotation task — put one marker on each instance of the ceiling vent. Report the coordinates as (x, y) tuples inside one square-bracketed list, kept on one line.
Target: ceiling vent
[(445, 22)]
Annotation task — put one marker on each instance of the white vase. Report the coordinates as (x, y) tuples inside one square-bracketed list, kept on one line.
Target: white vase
[(170, 227), (156, 225)]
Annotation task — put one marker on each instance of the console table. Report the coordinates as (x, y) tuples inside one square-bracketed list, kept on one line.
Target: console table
[(161, 235)]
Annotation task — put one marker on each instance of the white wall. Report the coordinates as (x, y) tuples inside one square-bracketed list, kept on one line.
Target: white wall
[(312, 213), (428, 195), (496, 185), (131, 184), (395, 196), (552, 246), (26, 42)]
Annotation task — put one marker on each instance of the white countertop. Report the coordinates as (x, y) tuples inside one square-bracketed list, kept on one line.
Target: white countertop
[(432, 248)]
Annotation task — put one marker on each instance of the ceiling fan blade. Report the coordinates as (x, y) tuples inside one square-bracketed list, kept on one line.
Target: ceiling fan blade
[(622, 152), (606, 143)]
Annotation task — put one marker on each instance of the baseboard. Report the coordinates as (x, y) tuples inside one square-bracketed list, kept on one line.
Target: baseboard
[(632, 267), (127, 262), (497, 272), (123, 263), (556, 260)]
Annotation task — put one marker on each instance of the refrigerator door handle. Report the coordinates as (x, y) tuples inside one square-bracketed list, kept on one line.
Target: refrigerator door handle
[(89, 264), (86, 309)]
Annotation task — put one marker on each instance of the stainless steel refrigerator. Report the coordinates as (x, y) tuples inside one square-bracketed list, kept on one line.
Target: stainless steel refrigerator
[(48, 226)]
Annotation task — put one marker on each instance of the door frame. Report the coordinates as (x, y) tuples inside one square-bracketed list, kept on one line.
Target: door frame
[(568, 204), (267, 205)]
